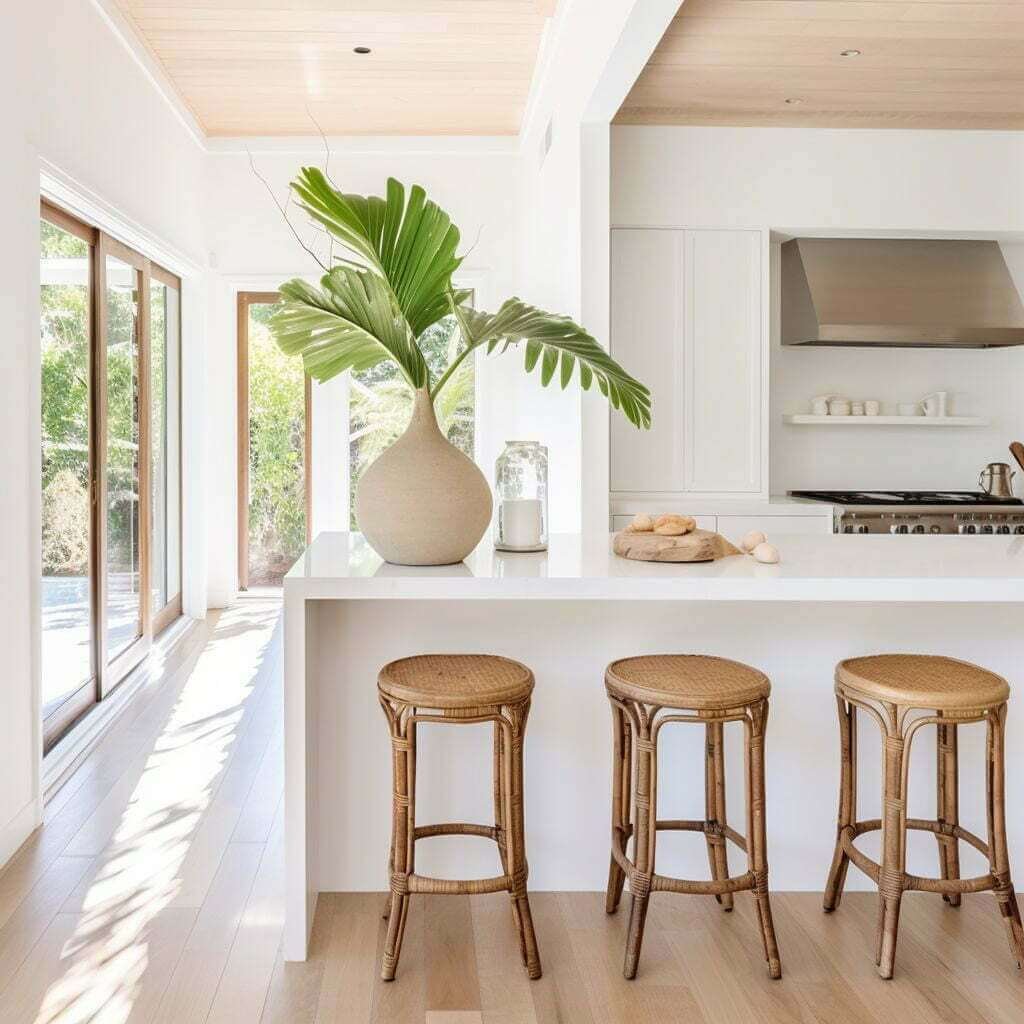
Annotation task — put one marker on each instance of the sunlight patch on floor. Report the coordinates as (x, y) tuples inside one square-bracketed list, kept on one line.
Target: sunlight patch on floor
[(104, 962)]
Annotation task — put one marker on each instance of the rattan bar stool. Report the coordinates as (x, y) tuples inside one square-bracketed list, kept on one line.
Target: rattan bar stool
[(712, 691), (902, 693), (458, 689)]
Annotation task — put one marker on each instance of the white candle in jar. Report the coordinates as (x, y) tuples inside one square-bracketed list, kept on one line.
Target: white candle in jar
[(521, 522)]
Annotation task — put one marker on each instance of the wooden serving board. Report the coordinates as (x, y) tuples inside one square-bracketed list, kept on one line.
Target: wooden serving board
[(695, 546)]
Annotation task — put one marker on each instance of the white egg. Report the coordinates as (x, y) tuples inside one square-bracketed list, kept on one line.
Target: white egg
[(765, 552), (751, 540)]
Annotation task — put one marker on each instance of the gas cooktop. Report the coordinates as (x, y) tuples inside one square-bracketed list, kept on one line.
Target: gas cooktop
[(958, 498)]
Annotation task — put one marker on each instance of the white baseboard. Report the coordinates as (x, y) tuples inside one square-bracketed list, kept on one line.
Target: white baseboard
[(18, 829)]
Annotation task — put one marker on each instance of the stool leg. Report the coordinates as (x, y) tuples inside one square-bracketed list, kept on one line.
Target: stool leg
[(621, 771), (646, 801), (518, 869), (998, 856), (499, 809), (847, 802), (891, 879), (947, 793), (403, 748), (757, 839), (714, 807)]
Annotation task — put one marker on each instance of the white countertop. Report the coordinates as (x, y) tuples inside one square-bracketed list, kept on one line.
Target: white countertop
[(832, 567)]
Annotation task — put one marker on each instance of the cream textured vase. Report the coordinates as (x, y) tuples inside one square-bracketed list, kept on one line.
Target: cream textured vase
[(423, 502)]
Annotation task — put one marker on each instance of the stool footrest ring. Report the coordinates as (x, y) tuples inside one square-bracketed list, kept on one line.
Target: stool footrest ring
[(699, 887), (458, 886), (456, 828), (918, 883), (683, 825), (716, 887)]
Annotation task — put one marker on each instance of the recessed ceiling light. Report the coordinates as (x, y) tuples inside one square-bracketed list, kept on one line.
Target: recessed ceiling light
[(793, 101), (849, 53), (361, 49)]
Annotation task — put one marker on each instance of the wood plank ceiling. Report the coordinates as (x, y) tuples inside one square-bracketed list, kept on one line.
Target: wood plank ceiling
[(914, 64), (261, 67)]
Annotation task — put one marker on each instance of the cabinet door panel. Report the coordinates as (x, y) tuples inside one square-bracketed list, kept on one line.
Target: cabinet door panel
[(647, 338), (722, 370)]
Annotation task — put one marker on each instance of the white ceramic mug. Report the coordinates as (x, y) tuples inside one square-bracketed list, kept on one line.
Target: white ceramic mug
[(872, 407), (909, 408), (819, 405), (856, 408), (934, 404), (839, 407)]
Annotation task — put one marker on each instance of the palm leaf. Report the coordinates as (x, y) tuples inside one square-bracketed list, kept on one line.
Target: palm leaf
[(351, 322), (410, 244), (557, 342)]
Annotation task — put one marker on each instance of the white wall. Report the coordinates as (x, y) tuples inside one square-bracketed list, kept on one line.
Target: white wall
[(806, 180), (591, 55), (251, 247), (76, 100)]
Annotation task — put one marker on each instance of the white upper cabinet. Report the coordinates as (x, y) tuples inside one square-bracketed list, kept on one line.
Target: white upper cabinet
[(722, 364), (687, 320), (646, 338)]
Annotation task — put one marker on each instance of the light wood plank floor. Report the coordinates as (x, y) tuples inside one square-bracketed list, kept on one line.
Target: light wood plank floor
[(153, 893)]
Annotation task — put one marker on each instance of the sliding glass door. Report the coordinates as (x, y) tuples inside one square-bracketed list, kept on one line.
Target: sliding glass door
[(121, 465), (111, 462), (65, 300)]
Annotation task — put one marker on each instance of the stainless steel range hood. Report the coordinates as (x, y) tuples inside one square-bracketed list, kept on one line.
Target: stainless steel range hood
[(898, 292)]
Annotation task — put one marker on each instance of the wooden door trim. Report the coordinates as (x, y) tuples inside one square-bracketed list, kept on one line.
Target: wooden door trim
[(68, 222)]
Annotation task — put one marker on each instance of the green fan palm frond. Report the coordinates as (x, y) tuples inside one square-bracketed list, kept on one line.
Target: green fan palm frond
[(556, 343), (350, 323), (410, 244), (398, 283)]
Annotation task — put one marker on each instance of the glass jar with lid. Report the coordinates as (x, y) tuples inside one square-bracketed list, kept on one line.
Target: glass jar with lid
[(521, 493)]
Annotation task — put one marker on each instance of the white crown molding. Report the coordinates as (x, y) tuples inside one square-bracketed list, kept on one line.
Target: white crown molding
[(77, 199), (129, 38), (367, 145)]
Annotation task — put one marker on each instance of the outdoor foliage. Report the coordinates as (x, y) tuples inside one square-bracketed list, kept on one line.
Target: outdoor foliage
[(277, 425), (64, 326), (65, 509), (65, 408)]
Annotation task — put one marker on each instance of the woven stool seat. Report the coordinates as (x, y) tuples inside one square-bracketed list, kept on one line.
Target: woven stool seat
[(456, 680), (693, 681), (924, 681)]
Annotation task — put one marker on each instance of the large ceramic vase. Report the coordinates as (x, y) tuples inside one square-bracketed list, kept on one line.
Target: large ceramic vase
[(423, 502)]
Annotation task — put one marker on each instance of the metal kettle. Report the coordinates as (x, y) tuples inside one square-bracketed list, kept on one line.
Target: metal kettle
[(996, 480)]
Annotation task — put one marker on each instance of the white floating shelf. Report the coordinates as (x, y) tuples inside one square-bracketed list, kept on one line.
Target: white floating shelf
[(801, 419)]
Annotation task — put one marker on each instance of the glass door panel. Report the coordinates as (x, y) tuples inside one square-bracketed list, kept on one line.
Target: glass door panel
[(123, 594), (165, 455), (68, 665)]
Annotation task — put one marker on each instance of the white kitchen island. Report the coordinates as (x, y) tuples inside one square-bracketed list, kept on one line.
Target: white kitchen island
[(569, 611)]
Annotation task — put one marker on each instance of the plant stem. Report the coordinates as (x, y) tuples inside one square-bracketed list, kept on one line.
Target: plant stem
[(452, 367), (454, 364)]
